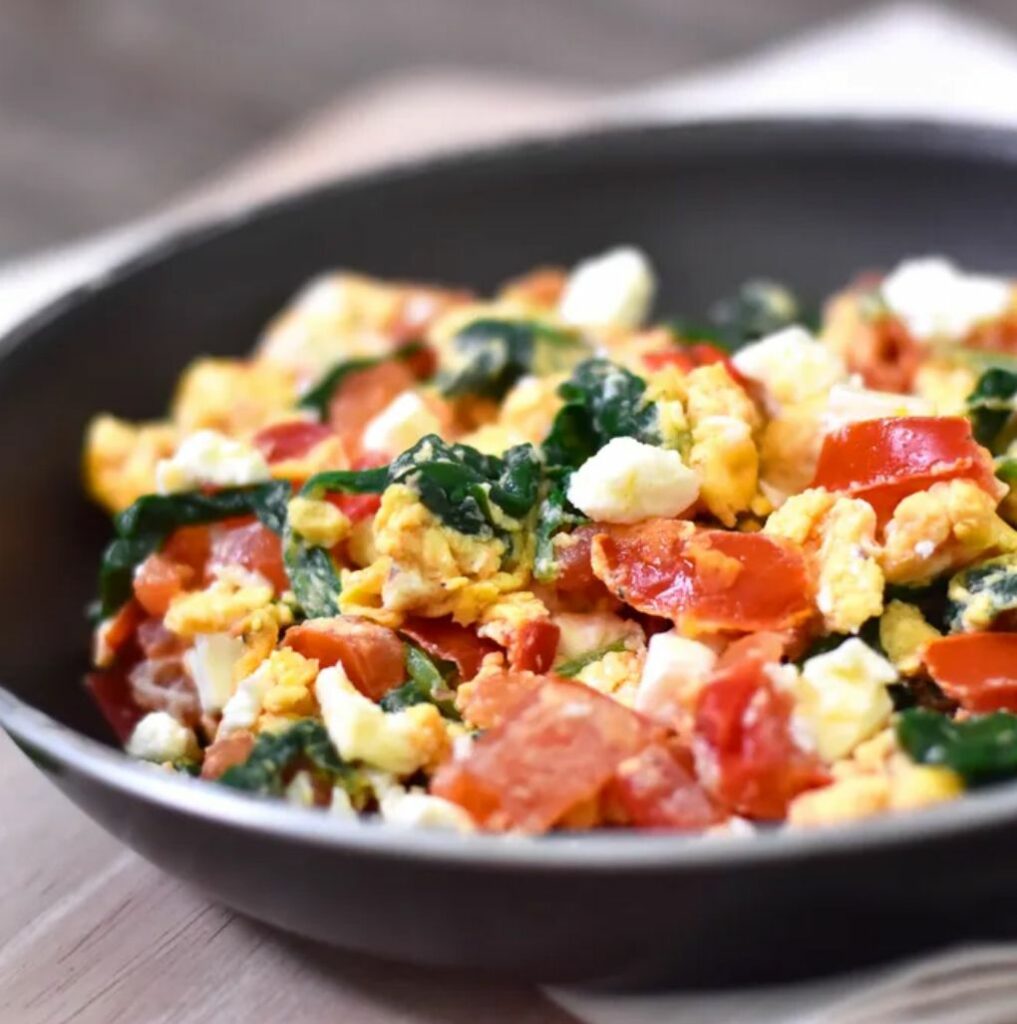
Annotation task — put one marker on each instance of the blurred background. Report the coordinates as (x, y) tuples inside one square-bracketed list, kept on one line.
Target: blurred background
[(110, 108)]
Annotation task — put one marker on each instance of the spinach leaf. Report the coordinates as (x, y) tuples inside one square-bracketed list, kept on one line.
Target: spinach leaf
[(1006, 469), (313, 576), (276, 755), (346, 481), (982, 749), (554, 516), (689, 330), (494, 354), (602, 401), (980, 594), (318, 397), (143, 528), (991, 405), (428, 684), (758, 308), (572, 668)]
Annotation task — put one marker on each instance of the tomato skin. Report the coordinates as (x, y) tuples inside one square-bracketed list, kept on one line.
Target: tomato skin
[(744, 746), (689, 357), (291, 440), (560, 747), (886, 355), (232, 749), (360, 506), (445, 639), (534, 646), (372, 656), (190, 546), (576, 579), (363, 394), (706, 580), (111, 691), (253, 546), (658, 789), (978, 670), (157, 581), (120, 629), (885, 460), (493, 696)]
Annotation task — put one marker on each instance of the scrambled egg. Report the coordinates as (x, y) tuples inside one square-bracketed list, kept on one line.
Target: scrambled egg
[(120, 459), (903, 634), (318, 522), (222, 605)]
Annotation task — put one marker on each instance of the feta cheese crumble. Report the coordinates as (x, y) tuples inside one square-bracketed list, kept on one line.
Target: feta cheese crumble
[(400, 425), (159, 737), (208, 458), (612, 290)]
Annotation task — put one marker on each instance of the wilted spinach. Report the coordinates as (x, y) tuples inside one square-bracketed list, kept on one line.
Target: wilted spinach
[(982, 749), (602, 401), (987, 590), (572, 668), (991, 405), (554, 516), (757, 309), (428, 684), (493, 354), (142, 528)]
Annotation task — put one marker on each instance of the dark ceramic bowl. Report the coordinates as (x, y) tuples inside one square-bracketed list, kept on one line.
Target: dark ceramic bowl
[(810, 203)]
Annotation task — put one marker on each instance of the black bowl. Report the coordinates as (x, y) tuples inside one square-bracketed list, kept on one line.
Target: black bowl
[(810, 203)]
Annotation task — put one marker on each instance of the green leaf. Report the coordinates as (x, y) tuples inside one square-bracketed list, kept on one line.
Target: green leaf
[(757, 309), (602, 401), (979, 595), (346, 481), (318, 397), (982, 749), (688, 330), (314, 578), (492, 355), (554, 516), (1006, 469), (427, 685), (276, 755), (991, 405), (572, 668), (144, 527)]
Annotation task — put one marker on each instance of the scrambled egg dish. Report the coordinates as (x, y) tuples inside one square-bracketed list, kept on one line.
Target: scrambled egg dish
[(530, 562)]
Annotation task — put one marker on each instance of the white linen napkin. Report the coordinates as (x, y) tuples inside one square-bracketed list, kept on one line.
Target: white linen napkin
[(906, 60)]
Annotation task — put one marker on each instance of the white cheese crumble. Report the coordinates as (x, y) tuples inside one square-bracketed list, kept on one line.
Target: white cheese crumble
[(208, 458), (400, 425), (627, 481), (936, 300), (159, 737), (674, 670), (790, 366), (612, 290), (848, 403), (210, 664)]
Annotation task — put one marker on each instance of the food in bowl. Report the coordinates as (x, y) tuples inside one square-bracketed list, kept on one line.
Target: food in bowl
[(528, 563)]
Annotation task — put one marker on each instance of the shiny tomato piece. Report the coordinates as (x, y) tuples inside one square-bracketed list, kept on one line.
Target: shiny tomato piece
[(371, 655), (291, 440), (120, 629), (558, 748), (658, 789), (112, 693), (576, 579), (158, 580), (680, 357), (445, 639), (745, 750), (534, 645), (885, 460), (978, 670), (886, 355), (226, 752), (765, 646), (490, 698), (360, 506), (360, 396), (251, 545), (708, 580), (190, 546), (998, 335)]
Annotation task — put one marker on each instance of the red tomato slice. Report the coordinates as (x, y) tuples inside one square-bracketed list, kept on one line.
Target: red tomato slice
[(371, 655), (232, 749), (251, 545), (978, 670), (291, 440), (680, 357), (112, 693), (886, 355), (885, 460), (190, 546), (157, 581), (558, 748), (362, 395), (360, 506), (707, 580), (744, 744), (576, 579), (534, 646), (445, 639), (490, 698), (658, 789)]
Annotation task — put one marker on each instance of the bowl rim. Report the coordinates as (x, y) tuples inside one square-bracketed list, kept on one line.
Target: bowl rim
[(60, 749)]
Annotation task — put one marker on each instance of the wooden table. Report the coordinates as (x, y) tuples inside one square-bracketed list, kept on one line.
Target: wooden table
[(91, 933)]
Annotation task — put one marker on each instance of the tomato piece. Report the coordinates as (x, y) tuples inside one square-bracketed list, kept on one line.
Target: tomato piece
[(156, 641), (251, 545), (978, 670), (363, 394), (360, 506), (886, 355), (707, 580), (575, 577), (885, 460), (157, 581), (292, 440), (542, 287), (558, 748), (120, 629), (232, 749), (658, 789), (743, 735), (680, 357), (534, 645), (766, 646), (371, 655), (490, 698), (112, 693), (445, 639), (190, 546)]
